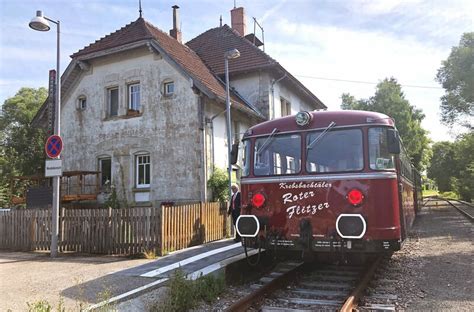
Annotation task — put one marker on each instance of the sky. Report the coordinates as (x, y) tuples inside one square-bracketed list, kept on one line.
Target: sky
[(331, 46)]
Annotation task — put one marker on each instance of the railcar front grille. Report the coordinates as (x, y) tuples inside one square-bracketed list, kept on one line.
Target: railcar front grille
[(351, 226)]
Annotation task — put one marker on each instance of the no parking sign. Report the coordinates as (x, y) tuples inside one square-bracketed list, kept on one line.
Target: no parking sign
[(53, 146)]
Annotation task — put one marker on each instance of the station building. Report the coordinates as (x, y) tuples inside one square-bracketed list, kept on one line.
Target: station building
[(147, 111)]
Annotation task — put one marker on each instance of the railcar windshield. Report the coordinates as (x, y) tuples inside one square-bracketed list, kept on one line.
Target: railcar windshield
[(379, 157), (278, 156), (337, 151), (246, 158)]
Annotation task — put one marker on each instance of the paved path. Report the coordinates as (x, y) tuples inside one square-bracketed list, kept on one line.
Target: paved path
[(34, 276), (81, 281)]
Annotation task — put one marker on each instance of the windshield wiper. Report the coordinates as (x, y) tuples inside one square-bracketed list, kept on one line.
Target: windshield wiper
[(329, 127), (267, 141)]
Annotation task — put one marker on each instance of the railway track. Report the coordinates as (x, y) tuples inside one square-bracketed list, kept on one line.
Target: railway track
[(463, 207), (293, 287)]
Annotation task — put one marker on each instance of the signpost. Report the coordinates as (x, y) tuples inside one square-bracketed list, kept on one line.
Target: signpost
[(53, 146), (53, 168)]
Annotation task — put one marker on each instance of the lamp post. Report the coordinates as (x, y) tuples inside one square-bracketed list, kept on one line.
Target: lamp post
[(40, 23), (231, 54)]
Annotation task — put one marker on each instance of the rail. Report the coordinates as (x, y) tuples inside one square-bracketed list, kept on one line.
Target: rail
[(351, 302), (272, 284), (468, 214), (467, 210)]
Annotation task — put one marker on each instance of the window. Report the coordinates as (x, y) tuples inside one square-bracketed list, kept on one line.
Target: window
[(134, 97), (336, 151), (105, 168), (142, 166), (168, 88), (379, 157), (112, 101), (285, 107), (81, 103), (277, 155), (246, 158)]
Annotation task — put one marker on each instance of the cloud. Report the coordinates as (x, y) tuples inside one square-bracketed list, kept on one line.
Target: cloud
[(377, 7), (272, 10), (335, 52)]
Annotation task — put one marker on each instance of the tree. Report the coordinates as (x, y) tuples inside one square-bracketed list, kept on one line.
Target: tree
[(452, 166), (390, 100), (21, 146), (442, 167), (464, 159), (457, 77)]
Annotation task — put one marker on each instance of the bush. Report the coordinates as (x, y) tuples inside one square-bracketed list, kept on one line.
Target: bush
[(218, 183), (185, 294), (210, 286)]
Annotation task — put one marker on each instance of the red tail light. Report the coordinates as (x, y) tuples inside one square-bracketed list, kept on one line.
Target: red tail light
[(355, 197), (258, 200)]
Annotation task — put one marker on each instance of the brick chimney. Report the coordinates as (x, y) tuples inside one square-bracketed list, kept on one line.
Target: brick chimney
[(237, 17), (175, 32)]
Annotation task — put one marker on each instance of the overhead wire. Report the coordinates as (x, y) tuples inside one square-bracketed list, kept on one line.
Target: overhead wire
[(365, 82)]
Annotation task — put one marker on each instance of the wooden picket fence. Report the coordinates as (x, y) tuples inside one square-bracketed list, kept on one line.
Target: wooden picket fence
[(190, 225), (115, 231)]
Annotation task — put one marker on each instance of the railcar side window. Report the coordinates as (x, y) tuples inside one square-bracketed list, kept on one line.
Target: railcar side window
[(379, 157), (246, 158), (277, 155), (336, 151)]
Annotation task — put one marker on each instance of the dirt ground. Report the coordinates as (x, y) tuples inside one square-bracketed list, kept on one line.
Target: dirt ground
[(438, 262), (31, 277)]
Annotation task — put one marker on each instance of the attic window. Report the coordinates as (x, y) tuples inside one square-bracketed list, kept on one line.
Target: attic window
[(81, 102), (168, 88)]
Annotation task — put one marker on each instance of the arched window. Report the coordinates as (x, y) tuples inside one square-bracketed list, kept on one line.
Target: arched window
[(142, 170)]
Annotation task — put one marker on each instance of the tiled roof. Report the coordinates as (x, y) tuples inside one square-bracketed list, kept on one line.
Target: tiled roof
[(184, 56), (212, 44), (130, 33)]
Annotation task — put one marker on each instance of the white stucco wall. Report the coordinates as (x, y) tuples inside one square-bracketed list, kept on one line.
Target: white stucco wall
[(297, 103), (256, 88), (217, 129), (168, 128)]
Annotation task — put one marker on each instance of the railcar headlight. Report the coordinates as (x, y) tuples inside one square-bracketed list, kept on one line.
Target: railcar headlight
[(355, 197), (303, 118)]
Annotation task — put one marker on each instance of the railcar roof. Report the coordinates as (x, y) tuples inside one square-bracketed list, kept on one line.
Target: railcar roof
[(321, 119)]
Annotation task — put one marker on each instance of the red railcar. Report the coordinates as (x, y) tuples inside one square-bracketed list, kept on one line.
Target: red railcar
[(327, 182)]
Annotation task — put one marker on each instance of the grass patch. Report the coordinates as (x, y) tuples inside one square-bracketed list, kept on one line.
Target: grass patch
[(430, 193), (449, 195), (185, 294), (45, 306)]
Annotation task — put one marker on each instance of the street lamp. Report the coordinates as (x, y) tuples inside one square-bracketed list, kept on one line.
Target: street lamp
[(231, 54), (40, 23)]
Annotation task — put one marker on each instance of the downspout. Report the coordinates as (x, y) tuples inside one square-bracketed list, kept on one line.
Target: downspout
[(272, 90), (202, 128)]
